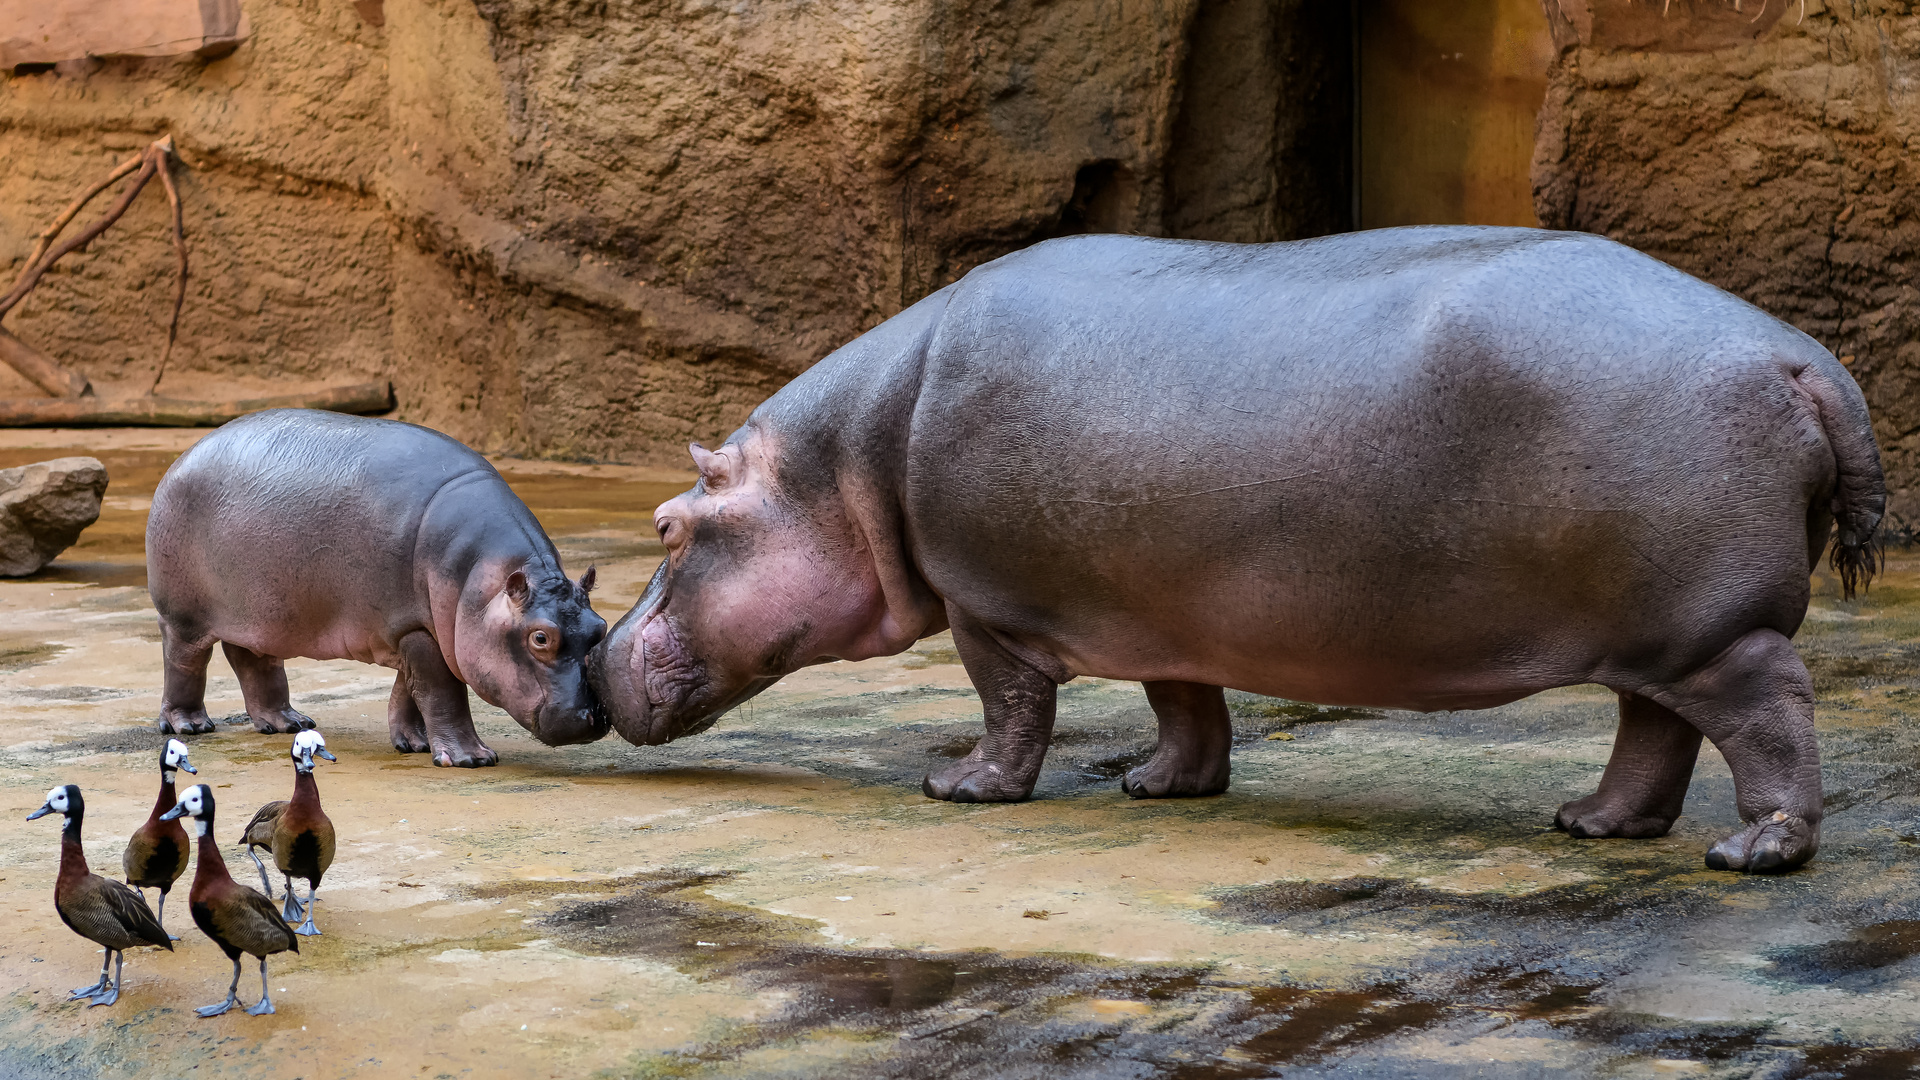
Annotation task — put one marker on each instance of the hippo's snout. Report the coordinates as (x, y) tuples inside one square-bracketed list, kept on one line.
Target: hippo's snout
[(614, 672), (564, 726)]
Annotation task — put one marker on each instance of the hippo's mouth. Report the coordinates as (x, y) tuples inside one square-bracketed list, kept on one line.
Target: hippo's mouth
[(649, 685), (671, 674)]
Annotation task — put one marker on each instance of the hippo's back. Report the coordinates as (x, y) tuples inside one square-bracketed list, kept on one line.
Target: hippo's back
[(291, 515), (1319, 467)]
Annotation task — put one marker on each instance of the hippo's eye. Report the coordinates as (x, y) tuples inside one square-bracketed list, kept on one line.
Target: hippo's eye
[(540, 638)]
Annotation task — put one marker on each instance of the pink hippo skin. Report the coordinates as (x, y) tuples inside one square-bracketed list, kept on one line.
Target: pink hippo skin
[(298, 533), (1426, 468)]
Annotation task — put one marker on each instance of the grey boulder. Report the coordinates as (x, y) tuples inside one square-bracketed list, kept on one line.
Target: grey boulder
[(43, 508)]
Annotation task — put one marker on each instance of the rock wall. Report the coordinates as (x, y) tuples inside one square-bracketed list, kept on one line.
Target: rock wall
[(1770, 150), (603, 228)]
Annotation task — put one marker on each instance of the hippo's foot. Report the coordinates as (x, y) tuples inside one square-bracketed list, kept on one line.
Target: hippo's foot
[(1773, 845), (1600, 815), (177, 721), (464, 756), (1170, 779), (280, 721), (411, 742), (976, 780)]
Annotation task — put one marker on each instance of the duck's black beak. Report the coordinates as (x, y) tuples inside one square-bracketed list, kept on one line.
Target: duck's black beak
[(189, 767), (174, 813), (40, 813), (325, 753)]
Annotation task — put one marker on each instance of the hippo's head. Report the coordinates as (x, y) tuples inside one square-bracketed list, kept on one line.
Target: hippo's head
[(759, 581), (524, 653)]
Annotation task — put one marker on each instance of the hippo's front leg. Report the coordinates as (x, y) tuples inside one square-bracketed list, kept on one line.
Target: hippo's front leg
[(1193, 753), (183, 694), (442, 701), (1018, 701), (263, 687), (404, 722)]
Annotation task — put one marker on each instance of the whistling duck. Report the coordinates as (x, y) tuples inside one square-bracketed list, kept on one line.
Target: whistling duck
[(158, 852), (298, 831), (103, 911), (238, 919)]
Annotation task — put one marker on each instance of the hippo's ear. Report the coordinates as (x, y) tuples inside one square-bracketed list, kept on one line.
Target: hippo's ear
[(518, 592), (587, 579), (716, 468)]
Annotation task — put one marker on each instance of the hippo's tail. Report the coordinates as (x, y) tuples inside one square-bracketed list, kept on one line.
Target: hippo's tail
[(1860, 489)]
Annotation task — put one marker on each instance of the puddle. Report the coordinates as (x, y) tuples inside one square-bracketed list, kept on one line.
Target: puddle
[(1868, 949), (20, 651)]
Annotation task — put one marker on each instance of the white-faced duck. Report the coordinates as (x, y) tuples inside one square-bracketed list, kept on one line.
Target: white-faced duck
[(298, 831), (237, 918), (103, 911), (158, 852)]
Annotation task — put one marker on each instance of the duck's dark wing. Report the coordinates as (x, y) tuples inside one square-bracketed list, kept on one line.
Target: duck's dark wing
[(110, 914), (246, 920), (260, 829)]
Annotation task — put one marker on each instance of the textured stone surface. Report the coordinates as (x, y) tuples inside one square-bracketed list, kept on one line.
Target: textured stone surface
[(1782, 170), (607, 229), (44, 507)]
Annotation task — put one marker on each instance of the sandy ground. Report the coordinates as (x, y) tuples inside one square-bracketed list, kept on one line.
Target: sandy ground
[(1379, 893)]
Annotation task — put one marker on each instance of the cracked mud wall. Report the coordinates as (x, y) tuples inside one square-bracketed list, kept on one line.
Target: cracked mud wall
[(605, 229), (1769, 153)]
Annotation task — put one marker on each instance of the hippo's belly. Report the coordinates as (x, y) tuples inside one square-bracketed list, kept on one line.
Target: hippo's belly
[(1438, 483)]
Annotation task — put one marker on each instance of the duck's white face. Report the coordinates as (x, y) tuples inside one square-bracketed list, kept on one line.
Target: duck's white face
[(176, 757), (57, 800), (196, 804), (306, 746)]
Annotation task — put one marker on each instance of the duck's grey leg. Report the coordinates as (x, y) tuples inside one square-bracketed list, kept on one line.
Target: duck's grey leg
[(160, 916), (233, 995), (265, 1004), (292, 910), (110, 996), (99, 987), (307, 928), (265, 885)]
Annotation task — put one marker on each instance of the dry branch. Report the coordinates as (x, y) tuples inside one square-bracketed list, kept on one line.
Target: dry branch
[(44, 372), (150, 411), (180, 249), (40, 368)]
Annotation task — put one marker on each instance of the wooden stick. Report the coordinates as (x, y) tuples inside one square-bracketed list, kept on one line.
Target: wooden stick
[(149, 411), (32, 276), (52, 232), (180, 249), (40, 368)]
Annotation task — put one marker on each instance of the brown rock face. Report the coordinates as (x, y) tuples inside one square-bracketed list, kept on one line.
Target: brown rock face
[(1781, 169), (609, 229), (44, 507)]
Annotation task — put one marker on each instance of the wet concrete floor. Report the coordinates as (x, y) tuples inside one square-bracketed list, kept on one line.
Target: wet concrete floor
[(1380, 893)]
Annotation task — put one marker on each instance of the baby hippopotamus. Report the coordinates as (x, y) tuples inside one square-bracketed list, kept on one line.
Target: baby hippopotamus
[(300, 533)]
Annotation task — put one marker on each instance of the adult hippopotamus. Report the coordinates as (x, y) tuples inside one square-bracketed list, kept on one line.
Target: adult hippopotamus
[(1424, 468), (301, 533)]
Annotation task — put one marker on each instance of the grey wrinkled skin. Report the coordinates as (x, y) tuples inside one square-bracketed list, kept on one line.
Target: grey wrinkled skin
[(299, 533), (1426, 468)]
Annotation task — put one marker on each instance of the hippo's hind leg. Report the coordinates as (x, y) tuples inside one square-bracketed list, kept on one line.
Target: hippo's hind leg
[(263, 686), (1755, 701), (442, 701), (1646, 779), (183, 694), (1018, 702), (404, 721), (1193, 753)]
